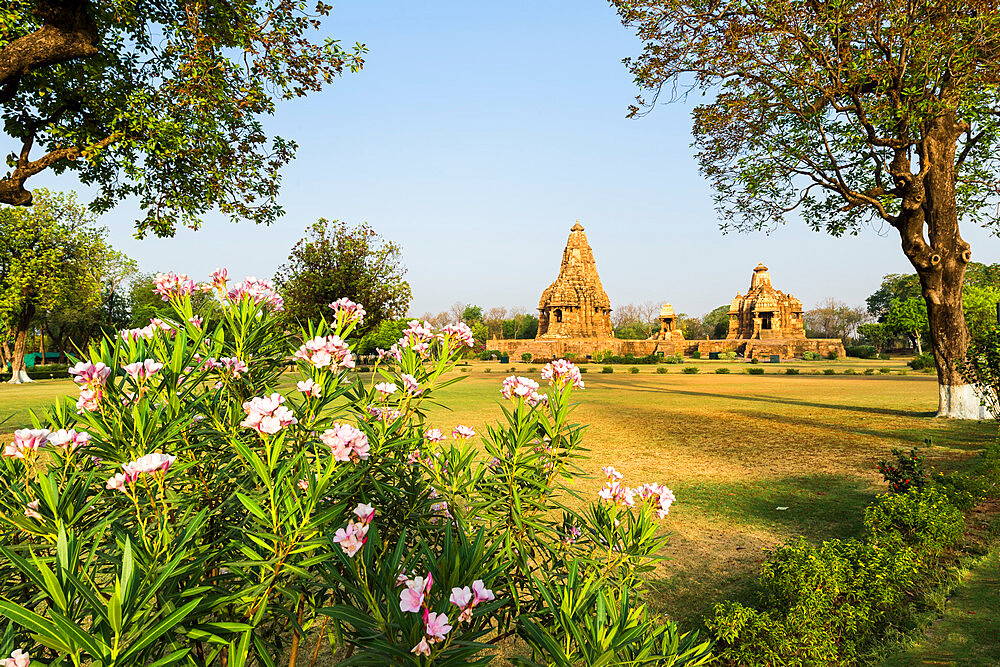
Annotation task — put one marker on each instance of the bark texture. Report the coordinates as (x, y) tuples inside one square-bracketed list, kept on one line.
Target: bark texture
[(18, 371)]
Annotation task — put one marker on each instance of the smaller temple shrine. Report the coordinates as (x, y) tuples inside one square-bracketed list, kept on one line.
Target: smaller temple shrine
[(668, 325), (575, 305), (765, 312)]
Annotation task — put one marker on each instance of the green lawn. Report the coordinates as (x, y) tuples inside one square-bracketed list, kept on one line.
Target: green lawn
[(734, 448)]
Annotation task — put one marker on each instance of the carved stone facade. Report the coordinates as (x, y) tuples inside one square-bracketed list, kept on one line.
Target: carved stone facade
[(575, 305), (668, 325), (765, 313)]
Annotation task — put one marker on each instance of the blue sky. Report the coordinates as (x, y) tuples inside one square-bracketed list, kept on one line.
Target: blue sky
[(477, 134)]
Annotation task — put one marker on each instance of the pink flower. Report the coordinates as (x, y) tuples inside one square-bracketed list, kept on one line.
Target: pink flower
[(234, 365), (659, 496), (69, 440), (437, 626), (423, 648), (266, 415), (26, 442), (308, 387), (364, 512), (219, 278), (118, 482), (434, 435), (89, 399), (141, 370), (346, 442), (323, 352), (410, 384), (351, 538), (520, 387), (147, 333), (462, 432), (385, 414), (414, 457), (461, 597), (18, 658), (482, 594), (563, 372), (195, 322), (353, 313), (411, 598), (386, 388), (260, 292), (303, 484), (611, 473), (460, 333), (149, 464), (31, 511), (88, 373), (393, 353), (170, 285)]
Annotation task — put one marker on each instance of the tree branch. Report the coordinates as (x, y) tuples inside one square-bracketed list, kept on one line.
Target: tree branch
[(67, 33)]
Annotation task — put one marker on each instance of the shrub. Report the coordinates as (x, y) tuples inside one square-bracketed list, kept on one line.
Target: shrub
[(193, 508), (963, 491), (922, 518), (673, 359), (690, 370), (884, 371), (921, 362), (755, 371), (832, 355), (850, 371), (633, 370), (723, 371), (755, 360), (829, 371), (526, 357), (861, 351), (905, 472), (809, 355), (583, 369), (903, 373), (632, 359), (487, 370), (696, 354), (730, 355), (791, 371), (869, 371), (607, 369), (489, 355), (363, 369), (661, 370)]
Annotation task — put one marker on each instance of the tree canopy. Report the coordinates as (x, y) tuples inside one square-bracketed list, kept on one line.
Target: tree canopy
[(335, 260), (160, 101)]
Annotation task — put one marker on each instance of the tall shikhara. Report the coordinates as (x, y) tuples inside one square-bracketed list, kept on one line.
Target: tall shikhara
[(575, 305)]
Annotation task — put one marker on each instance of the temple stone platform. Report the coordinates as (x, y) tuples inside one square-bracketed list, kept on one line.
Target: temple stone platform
[(556, 348)]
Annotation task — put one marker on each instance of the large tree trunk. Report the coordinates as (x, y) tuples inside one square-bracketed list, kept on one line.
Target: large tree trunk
[(940, 261), (18, 372)]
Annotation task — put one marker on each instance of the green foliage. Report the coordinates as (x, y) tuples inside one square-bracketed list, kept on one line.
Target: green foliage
[(629, 359), (755, 371), (755, 360), (884, 370), (849, 371), (862, 351), (696, 354), (875, 333), (162, 103), (909, 317), (382, 337), (716, 323), (906, 471), (723, 371), (634, 370), (472, 314), (791, 371), (487, 355), (981, 367), (829, 371), (526, 357), (661, 370), (607, 369), (690, 370), (832, 355), (673, 359), (922, 518), (921, 362), (964, 491), (730, 355), (809, 355), (334, 260)]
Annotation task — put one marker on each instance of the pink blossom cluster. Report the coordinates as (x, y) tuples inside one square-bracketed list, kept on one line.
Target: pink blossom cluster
[(326, 351), (195, 321), (233, 365), (150, 464), (169, 285), (353, 313), (147, 332), (521, 387), (346, 442), (31, 511), (386, 414), (417, 336), (410, 385), (18, 658), (26, 442), (386, 389), (434, 435), (218, 280), (143, 370), (561, 372), (413, 598), (261, 292), (91, 378), (70, 440), (461, 432), (354, 536), (266, 414), (460, 333), (465, 599), (309, 387), (657, 495)]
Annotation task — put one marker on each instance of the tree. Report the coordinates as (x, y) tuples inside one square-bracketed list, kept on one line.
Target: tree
[(876, 333), (894, 286), (50, 258), (909, 317), (472, 314), (846, 112), (159, 101), (833, 319), (333, 261), (716, 323), (143, 304)]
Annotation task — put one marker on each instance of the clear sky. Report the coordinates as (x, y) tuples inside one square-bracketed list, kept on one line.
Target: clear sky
[(477, 134)]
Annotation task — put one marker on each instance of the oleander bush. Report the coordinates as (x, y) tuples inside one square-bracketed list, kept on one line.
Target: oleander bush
[(185, 511)]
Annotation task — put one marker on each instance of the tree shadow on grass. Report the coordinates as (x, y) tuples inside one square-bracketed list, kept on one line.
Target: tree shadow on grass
[(806, 404)]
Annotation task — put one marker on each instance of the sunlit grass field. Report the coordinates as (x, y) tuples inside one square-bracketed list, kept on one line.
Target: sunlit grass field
[(734, 448)]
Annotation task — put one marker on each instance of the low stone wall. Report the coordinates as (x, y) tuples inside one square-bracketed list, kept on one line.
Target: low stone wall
[(544, 350)]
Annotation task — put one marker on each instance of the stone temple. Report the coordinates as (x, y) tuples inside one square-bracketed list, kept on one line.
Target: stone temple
[(575, 305), (574, 320)]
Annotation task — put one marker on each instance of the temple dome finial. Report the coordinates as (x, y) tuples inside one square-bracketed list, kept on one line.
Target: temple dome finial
[(577, 227)]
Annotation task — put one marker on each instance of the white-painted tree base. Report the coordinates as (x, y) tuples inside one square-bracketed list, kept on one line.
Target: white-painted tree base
[(959, 401), (19, 378)]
